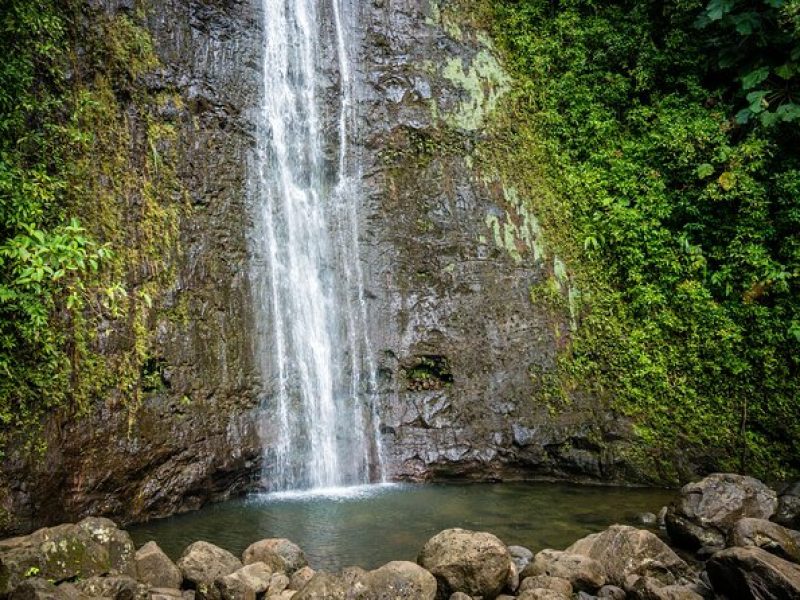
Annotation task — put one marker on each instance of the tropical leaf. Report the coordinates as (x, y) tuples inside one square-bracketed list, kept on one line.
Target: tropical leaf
[(716, 9), (754, 77)]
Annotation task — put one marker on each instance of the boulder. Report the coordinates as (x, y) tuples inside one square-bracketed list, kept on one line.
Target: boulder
[(155, 568), (393, 581), (285, 595), (753, 573), (257, 576), (279, 555), (120, 587), (583, 572), (245, 583), (89, 548), (521, 557), (233, 588), (398, 581), (36, 588), (462, 596), (165, 594), (324, 586), (279, 582), (475, 563), (72, 591), (626, 553), (707, 510), (767, 535), (327, 586), (300, 578), (202, 564), (542, 594), (115, 545), (170, 594), (611, 592), (647, 588), (545, 582), (788, 513)]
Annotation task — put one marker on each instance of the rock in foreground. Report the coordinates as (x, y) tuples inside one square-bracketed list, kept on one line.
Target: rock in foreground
[(707, 510), (246, 583), (768, 536), (36, 588), (156, 569), (120, 587), (202, 564), (626, 554), (89, 548), (398, 581), (648, 588), (475, 563), (753, 573), (278, 554), (788, 513), (393, 581), (584, 573), (545, 582)]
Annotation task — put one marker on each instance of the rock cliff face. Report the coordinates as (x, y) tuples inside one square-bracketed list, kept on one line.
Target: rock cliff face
[(453, 253), (194, 439), (450, 250)]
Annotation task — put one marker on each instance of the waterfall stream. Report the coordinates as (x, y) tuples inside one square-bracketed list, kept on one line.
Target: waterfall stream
[(312, 341)]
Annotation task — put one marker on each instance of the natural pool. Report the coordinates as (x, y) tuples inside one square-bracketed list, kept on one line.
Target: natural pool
[(372, 525)]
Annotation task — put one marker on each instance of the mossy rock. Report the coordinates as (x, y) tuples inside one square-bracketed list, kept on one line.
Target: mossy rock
[(67, 552)]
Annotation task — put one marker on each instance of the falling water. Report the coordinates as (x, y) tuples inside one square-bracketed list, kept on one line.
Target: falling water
[(312, 341)]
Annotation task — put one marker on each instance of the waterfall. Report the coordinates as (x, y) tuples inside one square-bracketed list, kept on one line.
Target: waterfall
[(312, 342)]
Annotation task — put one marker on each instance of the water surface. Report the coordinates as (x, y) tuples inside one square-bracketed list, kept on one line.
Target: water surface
[(372, 525)]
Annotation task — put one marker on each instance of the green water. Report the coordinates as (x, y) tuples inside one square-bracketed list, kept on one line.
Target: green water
[(372, 525)]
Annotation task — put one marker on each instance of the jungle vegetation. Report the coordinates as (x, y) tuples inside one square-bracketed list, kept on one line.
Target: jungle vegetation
[(669, 133), (74, 192)]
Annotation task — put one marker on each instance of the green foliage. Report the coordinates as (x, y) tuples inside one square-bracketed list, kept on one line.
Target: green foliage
[(66, 154), (46, 258), (759, 43), (680, 221)]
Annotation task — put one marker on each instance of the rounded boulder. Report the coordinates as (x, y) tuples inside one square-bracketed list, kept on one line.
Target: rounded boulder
[(583, 573), (202, 564), (279, 554), (706, 510), (627, 553), (475, 563), (398, 580)]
